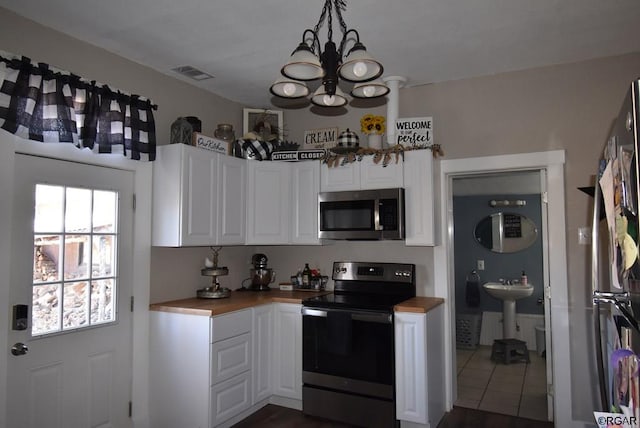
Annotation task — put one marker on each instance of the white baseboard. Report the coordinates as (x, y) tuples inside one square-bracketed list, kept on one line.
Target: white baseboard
[(492, 328)]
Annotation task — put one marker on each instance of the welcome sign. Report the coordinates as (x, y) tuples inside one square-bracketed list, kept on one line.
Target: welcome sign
[(414, 132)]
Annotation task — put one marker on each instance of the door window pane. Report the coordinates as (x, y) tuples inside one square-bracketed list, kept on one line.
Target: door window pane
[(46, 309), (78, 206), (74, 258), (49, 209), (104, 211), (76, 305)]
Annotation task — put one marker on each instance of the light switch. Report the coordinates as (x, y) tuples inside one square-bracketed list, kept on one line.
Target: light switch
[(480, 264)]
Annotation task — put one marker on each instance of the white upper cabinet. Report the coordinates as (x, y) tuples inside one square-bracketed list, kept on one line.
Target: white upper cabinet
[(232, 199), (268, 202), (282, 202), (194, 201), (362, 175), (304, 202), (420, 212)]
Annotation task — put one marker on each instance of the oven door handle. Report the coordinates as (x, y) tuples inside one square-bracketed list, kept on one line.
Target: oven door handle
[(376, 317)]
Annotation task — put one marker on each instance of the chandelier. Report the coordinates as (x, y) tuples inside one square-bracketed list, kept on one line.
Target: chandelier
[(308, 62)]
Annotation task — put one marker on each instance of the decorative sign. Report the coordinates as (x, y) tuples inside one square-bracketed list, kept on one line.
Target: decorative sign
[(208, 143), (295, 156), (512, 226), (323, 138), (415, 132)]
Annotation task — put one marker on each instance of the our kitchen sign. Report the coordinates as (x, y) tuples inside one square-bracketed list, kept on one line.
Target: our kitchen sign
[(414, 132)]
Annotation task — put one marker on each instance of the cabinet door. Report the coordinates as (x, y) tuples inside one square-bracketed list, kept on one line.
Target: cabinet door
[(375, 176), (306, 184), (411, 381), (184, 196), (231, 200), (262, 352), (230, 398), (418, 191), (199, 194), (339, 178), (287, 356), (230, 357), (268, 202)]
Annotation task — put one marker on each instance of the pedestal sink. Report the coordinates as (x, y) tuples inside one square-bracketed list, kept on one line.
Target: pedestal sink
[(508, 294)]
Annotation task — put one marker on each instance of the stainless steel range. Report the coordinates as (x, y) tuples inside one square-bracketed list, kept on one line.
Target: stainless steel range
[(348, 367)]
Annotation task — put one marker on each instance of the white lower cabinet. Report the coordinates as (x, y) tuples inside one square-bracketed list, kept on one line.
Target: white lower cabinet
[(262, 352), (206, 371), (420, 367), (199, 368), (287, 356)]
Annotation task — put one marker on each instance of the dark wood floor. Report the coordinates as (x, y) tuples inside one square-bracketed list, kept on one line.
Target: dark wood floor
[(272, 416)]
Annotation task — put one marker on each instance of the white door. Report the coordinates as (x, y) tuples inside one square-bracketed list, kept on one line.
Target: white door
[(70, 365), (547, 294)]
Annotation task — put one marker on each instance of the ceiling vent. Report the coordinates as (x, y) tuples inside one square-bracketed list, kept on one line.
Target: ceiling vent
[(192, 73)]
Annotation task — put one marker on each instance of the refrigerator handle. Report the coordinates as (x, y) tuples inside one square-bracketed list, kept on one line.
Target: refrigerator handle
[(604, 400)]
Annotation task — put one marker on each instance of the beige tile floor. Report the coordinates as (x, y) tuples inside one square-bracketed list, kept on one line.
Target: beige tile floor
[(516, 389)]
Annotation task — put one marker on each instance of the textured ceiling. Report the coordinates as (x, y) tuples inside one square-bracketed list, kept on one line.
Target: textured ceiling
[(243, 43)]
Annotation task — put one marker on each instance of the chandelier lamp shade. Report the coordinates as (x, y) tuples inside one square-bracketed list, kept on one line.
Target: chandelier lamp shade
[(308, 62)]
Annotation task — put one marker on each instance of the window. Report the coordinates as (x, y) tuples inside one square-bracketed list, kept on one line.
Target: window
[(74, 258)]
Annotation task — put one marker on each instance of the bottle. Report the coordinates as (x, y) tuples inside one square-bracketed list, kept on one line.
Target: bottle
[(523, 279), (306, 276)]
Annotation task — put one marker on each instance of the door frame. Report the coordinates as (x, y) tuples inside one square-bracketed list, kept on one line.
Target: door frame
[(553, 163), (9, 146)]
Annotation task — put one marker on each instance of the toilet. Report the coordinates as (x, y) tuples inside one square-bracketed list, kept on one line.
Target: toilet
[(540, 340)]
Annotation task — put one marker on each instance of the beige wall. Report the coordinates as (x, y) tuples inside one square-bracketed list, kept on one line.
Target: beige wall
[(566, 107), (173, 97)]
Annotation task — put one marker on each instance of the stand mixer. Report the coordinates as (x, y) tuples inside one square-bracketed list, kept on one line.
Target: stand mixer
[(260, 275), (215, 291)]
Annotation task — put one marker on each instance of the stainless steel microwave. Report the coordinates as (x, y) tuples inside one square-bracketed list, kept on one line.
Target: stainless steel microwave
[(361, 214)]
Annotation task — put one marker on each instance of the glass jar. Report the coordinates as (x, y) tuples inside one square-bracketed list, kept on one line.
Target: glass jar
[(224, 132)]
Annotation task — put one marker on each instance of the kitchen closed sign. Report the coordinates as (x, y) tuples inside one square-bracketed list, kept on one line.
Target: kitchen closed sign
[(415, 132)]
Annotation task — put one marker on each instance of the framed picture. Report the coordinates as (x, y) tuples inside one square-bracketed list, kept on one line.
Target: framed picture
[(266, 124)]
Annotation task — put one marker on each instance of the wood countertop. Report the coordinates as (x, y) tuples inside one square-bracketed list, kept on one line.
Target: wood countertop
[(420, 305), (236, 301), (247, 299)]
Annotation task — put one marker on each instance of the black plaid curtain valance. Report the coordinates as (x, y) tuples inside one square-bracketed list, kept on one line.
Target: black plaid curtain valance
[(52, 106)]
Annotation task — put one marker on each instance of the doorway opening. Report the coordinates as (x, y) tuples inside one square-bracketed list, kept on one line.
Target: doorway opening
[(555, 265), (499, 226)]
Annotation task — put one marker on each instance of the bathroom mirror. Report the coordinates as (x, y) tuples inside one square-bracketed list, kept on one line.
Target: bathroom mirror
[(506, 232)]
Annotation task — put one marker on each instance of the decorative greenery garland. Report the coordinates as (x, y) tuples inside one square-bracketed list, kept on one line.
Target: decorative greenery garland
[(385, 155)]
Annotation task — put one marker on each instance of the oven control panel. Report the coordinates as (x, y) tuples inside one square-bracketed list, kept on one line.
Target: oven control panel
[(369, 271)]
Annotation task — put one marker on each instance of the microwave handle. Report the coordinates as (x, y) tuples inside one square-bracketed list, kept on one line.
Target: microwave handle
[(376, 215)]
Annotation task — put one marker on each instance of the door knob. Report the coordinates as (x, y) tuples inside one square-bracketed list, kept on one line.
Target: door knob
[(19, 349)]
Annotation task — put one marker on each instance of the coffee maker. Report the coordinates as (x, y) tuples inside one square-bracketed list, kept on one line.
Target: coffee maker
[(260, 275)]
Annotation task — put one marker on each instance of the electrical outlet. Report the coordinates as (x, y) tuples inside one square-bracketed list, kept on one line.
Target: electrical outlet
[(480, 264)]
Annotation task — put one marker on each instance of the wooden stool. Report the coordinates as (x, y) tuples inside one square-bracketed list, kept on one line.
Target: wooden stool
[(508, 351)]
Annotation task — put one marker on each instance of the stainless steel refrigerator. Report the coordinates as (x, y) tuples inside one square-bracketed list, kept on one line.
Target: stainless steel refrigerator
[(615, 267)]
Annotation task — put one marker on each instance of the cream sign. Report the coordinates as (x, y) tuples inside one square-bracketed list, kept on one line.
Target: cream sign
[(320, 138), (414, 131)]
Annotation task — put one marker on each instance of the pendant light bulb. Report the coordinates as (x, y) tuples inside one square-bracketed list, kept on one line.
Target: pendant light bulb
[(368, 91), (328, 100), (289, 89), (359, 69)]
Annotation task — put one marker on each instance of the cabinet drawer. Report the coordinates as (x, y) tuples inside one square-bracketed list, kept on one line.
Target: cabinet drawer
[(230, 357), (230, 325), (230, 398)]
